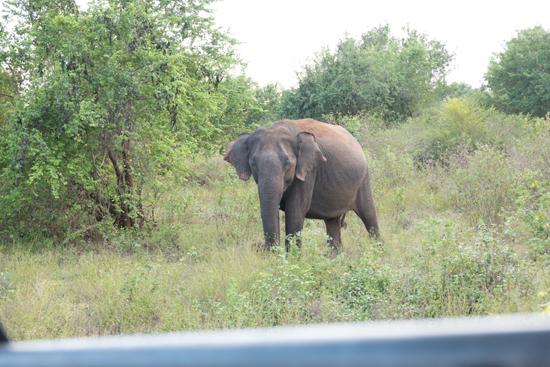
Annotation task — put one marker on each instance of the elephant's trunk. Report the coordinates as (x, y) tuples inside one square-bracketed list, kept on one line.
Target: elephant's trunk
[(270, 196)]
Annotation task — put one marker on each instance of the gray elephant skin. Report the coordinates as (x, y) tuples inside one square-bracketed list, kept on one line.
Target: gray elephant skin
[(308, 169)]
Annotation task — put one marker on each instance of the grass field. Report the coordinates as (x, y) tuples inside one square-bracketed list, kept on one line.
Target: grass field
[(464, 210)]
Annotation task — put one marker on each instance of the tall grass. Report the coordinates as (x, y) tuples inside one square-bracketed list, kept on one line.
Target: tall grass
[(466, 234)]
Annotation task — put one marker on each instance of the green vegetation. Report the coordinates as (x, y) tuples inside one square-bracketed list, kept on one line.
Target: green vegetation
[(465, 235), (378, 73), (460, 125), (519, 77), (111, 97), (118, 217)]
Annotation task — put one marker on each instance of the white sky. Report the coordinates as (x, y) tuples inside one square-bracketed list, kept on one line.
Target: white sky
[(279, 36)]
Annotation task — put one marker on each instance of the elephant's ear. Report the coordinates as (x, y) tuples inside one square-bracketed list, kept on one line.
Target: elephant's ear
[(237, 154), (309, 154)]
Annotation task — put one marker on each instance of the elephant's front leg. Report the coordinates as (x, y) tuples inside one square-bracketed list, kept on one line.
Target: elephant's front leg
[(297, 205), (294, 223)]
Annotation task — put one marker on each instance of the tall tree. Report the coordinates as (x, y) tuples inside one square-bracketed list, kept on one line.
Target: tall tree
[(9, 80), (113, 96), (519, 77), (379, 73), (269, 98)]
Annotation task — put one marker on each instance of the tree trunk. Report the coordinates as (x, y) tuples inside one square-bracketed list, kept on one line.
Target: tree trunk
[(125, 190)]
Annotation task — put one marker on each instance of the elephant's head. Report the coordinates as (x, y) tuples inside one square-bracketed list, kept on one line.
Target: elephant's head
[(275, 157)]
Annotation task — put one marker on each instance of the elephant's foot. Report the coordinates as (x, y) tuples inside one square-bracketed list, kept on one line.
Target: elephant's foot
[(334, 226), (293, 240)]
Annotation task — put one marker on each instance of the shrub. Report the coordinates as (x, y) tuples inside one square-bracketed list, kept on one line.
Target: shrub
[(460, 122), (392, 169), (533, 200), (483, 185), (460, 276)]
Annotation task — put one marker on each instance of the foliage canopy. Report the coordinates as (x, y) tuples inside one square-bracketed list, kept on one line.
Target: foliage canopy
[(379, 73), (111, 97), (519, 77)]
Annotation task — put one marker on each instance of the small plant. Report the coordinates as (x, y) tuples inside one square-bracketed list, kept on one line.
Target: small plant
[(484, 186), (392, 169), (545, 307), (6, 284), (534, 210)]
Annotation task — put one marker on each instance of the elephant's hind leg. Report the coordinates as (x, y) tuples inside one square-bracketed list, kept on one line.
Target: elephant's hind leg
[(365, 209), (334, 226)]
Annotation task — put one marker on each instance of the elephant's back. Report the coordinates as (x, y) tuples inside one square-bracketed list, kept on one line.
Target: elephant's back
[(334, 139), (323, 130), (343, 152)]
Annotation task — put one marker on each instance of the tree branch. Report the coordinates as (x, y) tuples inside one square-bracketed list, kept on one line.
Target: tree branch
[(7, 95), (115, 166)]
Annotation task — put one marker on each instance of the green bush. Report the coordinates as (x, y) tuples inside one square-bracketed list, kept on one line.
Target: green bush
[(458, 124), (392, 77), (456, 275), (533, 200), (392, 169), (110, 116), (484, 185)]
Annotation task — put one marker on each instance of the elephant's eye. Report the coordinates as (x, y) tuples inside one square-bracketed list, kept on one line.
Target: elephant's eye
[(286, 163)]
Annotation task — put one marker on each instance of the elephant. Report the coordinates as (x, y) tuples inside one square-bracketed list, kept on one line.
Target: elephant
[(308, 169)]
